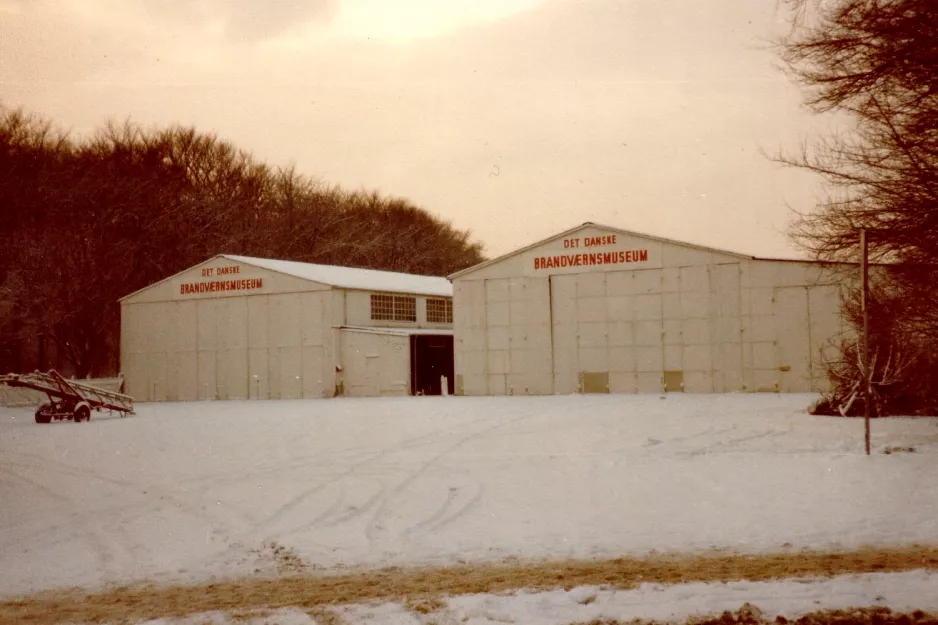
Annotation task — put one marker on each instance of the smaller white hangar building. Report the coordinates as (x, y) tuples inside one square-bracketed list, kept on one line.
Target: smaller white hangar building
[(597, 309), (236, 327)]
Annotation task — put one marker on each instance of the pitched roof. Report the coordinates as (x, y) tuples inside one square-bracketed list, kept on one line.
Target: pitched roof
[(590, 224), (339, 277), (352, 277)]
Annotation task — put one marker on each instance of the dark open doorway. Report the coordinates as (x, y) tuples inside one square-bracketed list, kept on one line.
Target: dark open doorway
[(431, 356)]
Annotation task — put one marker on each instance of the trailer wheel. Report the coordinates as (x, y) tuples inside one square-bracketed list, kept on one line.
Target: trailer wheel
[(82, 413), (43, 413)]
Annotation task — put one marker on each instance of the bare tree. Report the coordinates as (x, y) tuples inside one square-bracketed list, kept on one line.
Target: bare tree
[(873, 65)]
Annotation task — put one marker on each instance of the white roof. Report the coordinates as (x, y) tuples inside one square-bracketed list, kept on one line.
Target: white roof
[(353, 278)]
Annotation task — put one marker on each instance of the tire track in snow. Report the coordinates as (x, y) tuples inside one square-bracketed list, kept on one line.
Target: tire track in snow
[(121, 516), (449, 511), (195, 508), (374, 525), (278, 516), (266, 469), (681, 439), (728, 445), (352, 512), (89, 533)]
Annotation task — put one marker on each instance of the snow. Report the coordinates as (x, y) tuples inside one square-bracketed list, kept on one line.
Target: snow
[(790, 598), (284, 616), (354, 278), (186, 491), (901, 592)]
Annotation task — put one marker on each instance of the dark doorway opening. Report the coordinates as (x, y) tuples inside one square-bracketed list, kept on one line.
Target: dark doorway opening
[(431, 357)]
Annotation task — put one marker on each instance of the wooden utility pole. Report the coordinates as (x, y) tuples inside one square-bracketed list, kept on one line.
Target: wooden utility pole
[(867, 374)]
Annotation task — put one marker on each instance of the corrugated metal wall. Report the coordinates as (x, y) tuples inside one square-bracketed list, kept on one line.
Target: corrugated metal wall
[(259, 346), (376, 364), (709, 327)]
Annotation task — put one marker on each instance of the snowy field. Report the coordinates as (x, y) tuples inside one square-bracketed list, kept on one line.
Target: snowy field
[(184, 492)]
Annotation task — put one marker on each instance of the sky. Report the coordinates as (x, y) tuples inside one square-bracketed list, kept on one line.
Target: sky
[(515, 119)]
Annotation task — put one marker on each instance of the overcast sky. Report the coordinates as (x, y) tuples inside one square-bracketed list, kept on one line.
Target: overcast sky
[(516, 119)]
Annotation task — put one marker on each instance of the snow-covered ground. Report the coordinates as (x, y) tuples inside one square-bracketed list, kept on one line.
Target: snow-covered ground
[(901, 592), (187, 491)]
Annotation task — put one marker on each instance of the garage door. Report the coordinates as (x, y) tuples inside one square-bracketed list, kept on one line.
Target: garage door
[(607, 332), (518, 336), (793, 356)]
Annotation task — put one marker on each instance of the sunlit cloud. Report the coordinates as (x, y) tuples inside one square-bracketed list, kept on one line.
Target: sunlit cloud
[(623, 112)]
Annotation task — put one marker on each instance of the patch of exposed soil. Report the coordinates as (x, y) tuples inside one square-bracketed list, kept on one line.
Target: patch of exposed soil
[(421, 587), (281, 559), (751, 615)]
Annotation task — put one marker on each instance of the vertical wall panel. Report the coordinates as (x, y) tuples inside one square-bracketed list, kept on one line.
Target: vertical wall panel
[(232, 338), (285, 332), (312, 315), (134, 335), (620, 382), (793, 343), (563, 309), (525, 319), (162, 319), (498, 314), (648, 281), (724, 327), (730, 357), (186, 357), (207, 347), (826, 330), (649, 382), (315, 334), (156, 362), (258, 344), (313, 384), (222, 342), (672, 358), (169, 350), (497, 384), (649, 333), (470, 336)]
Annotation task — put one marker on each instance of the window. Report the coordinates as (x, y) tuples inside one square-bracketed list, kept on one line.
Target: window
[(382, 307), (439, 310), (405, 308), (393, 308)]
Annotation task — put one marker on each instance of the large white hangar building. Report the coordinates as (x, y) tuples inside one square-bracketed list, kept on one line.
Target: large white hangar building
[(597, 309), (236, 327)]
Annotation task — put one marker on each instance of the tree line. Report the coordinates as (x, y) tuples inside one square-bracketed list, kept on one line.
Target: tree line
[(84, 222), (874, 65)]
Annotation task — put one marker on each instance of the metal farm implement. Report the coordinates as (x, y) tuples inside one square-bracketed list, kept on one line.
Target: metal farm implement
[(68, 399)]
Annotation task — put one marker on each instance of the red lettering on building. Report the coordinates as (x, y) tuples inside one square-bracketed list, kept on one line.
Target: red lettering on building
[(597, 241), (227, 270), (586, 260), (215, 286)]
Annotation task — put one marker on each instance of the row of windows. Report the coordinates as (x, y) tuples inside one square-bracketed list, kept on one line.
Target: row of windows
[(403, 308), (393, 308)]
